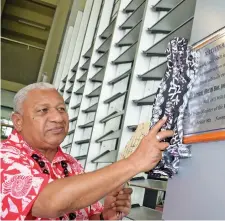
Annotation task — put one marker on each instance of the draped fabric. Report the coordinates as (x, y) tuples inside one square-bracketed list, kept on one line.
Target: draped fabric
[(171, 100)]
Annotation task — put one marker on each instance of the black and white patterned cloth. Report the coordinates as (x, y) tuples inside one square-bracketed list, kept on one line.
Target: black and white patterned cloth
[(171, 100)]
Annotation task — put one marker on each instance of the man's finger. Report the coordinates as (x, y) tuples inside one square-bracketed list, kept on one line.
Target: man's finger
[(116, 191), (126, 191), (162, 135), (125, 203), (123, 210), (123, 197), (158, 126), (163, 145)]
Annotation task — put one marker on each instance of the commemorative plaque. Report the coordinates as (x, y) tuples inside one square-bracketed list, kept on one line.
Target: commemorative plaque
[(204, 118)]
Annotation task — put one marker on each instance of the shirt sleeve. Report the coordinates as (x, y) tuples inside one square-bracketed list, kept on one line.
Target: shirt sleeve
[(20, 184), (96, 208)]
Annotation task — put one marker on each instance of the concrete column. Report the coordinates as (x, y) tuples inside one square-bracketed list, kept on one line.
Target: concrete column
[(78, 5), (54, 40)]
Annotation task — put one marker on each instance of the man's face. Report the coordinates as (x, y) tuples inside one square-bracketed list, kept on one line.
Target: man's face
[(44, 120)]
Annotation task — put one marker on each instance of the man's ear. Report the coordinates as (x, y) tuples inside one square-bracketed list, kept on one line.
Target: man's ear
[(17, 121)]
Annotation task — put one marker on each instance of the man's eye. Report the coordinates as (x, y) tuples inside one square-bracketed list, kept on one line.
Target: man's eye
[(43, 110), (62, 109)]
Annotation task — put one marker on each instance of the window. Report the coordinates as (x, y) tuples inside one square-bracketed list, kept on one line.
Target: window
[(6, 128)]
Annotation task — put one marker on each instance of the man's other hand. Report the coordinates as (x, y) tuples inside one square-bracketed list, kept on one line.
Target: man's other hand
[(117, 204)]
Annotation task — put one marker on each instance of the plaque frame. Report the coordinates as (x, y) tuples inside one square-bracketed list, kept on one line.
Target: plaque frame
[(216, 134)]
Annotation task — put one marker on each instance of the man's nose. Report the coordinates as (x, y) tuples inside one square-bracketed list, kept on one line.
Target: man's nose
[(55, 115)]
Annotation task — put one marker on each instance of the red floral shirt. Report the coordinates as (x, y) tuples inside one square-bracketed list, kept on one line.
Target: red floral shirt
[(22, 179)]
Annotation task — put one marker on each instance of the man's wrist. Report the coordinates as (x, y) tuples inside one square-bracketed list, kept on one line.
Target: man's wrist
[(133, 164)]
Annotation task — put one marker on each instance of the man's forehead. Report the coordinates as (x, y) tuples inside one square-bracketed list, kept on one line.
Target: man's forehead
[(46, 96)]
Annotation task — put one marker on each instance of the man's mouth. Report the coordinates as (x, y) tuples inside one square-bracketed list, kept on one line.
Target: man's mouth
[(57, 130)]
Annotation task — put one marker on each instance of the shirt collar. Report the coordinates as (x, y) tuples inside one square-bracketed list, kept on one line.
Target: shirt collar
[(17, 138)]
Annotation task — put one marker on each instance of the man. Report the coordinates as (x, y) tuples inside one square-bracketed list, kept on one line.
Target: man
[(39, 181)]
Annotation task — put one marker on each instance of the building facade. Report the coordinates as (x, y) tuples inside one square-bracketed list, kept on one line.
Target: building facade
[(109, 69)]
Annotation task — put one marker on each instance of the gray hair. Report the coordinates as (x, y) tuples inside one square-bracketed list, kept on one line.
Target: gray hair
[(21, 95)]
